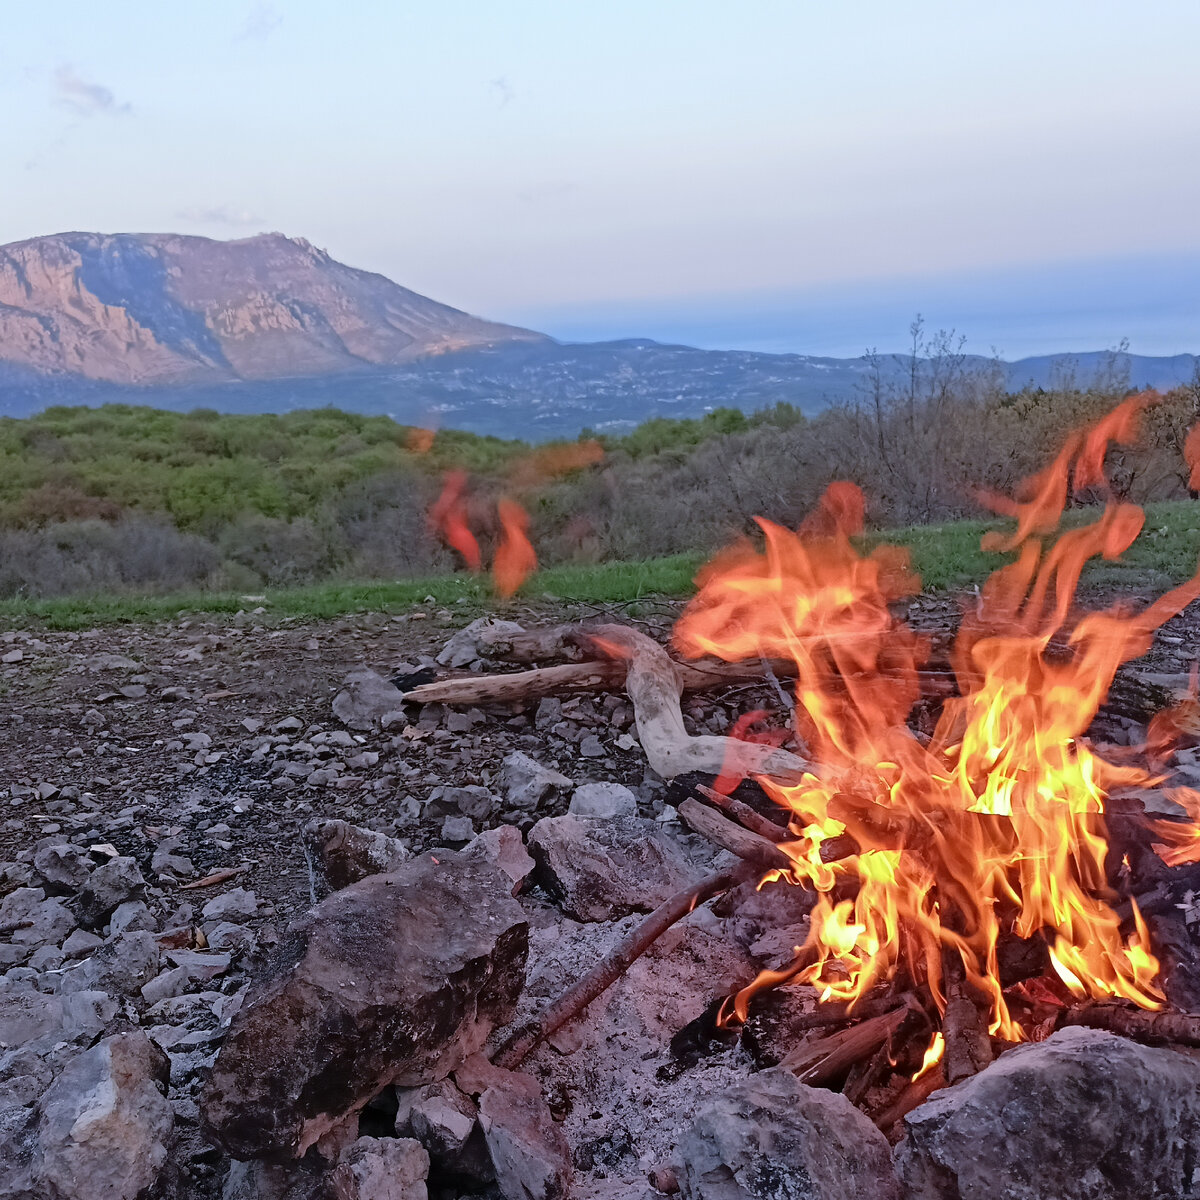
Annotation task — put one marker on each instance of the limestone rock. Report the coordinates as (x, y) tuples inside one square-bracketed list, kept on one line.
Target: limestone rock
[(601, 869), (445, 1120), (30, 919), (381, 1169), (603, 800), (526, 783), (116, 881), (105, 1122), (394, 979), (365, 699), (504, 847), (772, 1138), (345, 853), (467, 645), (529, 1152), (121, 967), (62, 868), (1084, 1115)]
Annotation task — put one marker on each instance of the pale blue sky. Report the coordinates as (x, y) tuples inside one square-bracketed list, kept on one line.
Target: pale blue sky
[(767, 173)]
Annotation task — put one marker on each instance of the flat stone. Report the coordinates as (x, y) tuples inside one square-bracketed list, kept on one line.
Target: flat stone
[(445, 1120), (597, 870), (236, 904), (772, 1138), (121, 967), (1084, 1115), (605, 800), (394, 979)]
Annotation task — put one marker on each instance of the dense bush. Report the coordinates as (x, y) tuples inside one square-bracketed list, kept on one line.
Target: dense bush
[(122, 498)]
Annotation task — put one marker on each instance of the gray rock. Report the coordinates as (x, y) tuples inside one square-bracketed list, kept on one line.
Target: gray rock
[(445, 1121), (115, 882), (166, 985), (394, 979), (772, 1138), (344, 853), (529, 1152), (62, 868), (166, 864), (365, 699), (457, 830), (504, 847), (601, 869), (228, 936), (381, 1169), (1084, 1115), (131, 916), (104, 1125), (121, 967), (469, 644), (590, 746), (471, 801), (238, 903), (526, 783), (81, 943), (30, 919), (604, 800)]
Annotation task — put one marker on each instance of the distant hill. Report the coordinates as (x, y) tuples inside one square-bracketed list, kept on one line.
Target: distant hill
[(271, 324), (150, 310)]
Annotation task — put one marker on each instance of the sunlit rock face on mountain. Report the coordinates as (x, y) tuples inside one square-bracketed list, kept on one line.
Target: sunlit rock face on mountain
[(161, 309)]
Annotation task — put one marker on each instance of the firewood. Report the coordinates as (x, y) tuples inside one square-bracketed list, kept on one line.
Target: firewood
[(827, 1058), (749, 846), (744, 815), (1138, 1023), (914, 1095), (964, 1024), (616, 962), (654, 688)]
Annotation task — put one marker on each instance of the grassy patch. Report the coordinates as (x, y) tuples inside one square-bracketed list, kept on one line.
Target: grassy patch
[(945, 556)]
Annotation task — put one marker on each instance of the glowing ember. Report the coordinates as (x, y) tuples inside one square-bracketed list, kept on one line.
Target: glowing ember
[(994, 826), (515, 557)]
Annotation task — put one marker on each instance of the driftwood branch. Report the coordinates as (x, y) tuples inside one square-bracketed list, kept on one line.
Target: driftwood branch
[(616, 962), (654, 687), (744, 815)]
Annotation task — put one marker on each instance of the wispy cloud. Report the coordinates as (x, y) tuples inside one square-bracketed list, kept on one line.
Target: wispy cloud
[(220, 214), (504, 91), (85, 96), (261, 21)]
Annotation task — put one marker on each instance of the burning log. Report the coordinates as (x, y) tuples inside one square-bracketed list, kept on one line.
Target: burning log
[(964, 1026), (616, 962), (826, 1059), (744, 815), (1137, 1023)]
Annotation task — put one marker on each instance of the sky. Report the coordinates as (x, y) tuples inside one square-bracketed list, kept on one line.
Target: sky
[(769, 175)]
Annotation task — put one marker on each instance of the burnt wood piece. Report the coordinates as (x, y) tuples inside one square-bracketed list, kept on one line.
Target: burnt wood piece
[(616, 962), (779, 1019), (744, 815), (747, 845), (1138, 1023), (914, 1095), (964, 1023), (826, 1059)]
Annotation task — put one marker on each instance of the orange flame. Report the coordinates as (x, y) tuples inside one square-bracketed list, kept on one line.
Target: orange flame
[(997, 822), (448, 517), (515, 557), (419, 441)]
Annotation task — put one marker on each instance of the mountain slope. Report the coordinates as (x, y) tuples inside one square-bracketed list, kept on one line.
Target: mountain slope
[(161, 309)]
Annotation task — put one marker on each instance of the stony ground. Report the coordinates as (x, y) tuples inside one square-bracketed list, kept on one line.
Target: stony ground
[(204, 746)]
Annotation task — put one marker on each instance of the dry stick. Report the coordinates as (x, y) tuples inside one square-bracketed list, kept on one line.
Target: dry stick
[(747, 845), (616, 962), (1137, 1023), (744, 815)]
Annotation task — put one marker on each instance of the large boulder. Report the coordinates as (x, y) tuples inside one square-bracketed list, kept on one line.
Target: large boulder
[(1084, 1115), (105, 1123), (394, 979), (601, 869), (772, 1138)]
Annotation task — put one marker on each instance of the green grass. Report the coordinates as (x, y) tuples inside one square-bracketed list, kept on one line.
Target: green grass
[(946, 557)]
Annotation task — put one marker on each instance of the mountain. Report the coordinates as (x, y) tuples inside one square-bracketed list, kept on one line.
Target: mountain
[(269, 323), (150, 310)]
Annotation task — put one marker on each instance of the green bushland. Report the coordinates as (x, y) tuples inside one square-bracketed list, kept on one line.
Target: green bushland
[(122, 501)]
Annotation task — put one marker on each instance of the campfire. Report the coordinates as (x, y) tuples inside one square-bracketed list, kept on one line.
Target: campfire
[(981, 876)]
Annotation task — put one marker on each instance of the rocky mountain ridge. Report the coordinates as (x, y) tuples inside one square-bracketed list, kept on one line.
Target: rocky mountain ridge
[(163, 309)]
